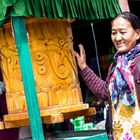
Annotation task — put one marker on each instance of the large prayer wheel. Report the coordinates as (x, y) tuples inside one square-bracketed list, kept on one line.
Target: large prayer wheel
[(55, 72)]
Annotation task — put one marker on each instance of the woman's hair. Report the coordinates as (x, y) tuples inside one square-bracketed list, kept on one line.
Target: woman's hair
[(132, 18)]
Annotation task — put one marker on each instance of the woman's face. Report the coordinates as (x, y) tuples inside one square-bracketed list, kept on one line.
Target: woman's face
[(123, 35)]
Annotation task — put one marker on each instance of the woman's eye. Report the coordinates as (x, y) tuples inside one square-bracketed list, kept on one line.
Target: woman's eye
[(123, 33), (113, 33)]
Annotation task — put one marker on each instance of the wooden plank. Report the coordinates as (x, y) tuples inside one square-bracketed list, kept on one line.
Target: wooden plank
[(14, 124), (50, 116), (27, 77), (54, 118), (85, 112), (47, 112), (1, 125)]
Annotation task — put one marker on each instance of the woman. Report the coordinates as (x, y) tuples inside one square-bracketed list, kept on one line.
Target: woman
[(122, 85)]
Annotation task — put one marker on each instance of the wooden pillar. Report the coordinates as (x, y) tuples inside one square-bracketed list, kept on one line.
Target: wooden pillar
[(22, 46)]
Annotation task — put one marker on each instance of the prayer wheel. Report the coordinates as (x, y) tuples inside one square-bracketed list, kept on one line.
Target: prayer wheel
[(55, 73)]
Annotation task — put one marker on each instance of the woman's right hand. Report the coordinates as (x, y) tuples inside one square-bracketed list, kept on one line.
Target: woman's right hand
[(81, 59)]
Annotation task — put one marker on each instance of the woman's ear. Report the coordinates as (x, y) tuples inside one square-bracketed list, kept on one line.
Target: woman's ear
[(138, 33)]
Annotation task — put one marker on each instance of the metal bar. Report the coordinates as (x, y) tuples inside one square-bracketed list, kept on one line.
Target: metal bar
[(96, 51)]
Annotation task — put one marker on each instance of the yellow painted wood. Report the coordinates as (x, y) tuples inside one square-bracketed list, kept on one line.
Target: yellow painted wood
[(48, 112), (48, 116), (13, 124), (2, 125), (54, 66)]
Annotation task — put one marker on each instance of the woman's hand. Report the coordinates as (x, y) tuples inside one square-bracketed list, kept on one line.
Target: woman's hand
[(81, 59)]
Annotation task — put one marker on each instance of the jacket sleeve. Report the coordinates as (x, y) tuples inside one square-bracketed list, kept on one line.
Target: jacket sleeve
[(95, 84)]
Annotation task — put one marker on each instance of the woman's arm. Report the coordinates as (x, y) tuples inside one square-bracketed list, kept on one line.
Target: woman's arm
[(94, 83)]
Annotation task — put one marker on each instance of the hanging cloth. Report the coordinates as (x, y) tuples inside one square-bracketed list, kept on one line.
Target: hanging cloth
[(63, 9)]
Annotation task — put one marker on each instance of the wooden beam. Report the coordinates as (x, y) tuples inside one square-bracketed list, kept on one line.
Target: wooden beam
[(27, 77), (53, 118), (85, 112)]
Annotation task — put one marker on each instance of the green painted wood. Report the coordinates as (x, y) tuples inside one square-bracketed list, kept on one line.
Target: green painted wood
[(67, 9), (27, 77), (95, 137)]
